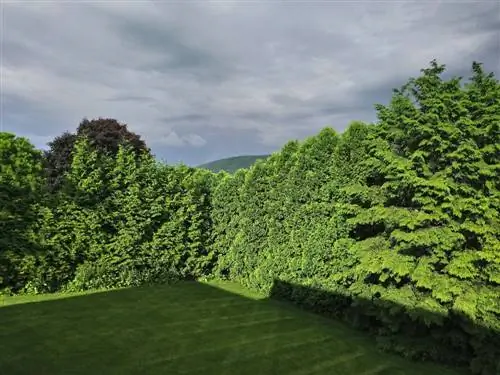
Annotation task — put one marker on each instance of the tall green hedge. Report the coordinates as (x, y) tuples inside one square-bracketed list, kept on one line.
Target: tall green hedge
[(119, 220), (20, 193), (392, 226)]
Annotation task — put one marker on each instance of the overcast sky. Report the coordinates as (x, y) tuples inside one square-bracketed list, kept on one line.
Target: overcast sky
[(201, 80)]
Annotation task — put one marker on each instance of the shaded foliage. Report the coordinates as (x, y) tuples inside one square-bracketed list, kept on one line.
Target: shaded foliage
[(20, 182), (57, 159), (417, 340)]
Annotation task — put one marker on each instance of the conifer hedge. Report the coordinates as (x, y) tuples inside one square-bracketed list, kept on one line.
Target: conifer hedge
[(392, 226)]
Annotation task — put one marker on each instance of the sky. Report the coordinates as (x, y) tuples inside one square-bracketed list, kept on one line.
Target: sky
[(203, 80)]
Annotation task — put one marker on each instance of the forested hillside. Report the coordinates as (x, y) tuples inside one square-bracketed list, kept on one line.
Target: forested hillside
[(392, 226), (232, 164)]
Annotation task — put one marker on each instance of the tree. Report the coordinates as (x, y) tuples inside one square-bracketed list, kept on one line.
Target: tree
[(104, 135), (404, 214), (20, 180), (57, 160), (431, 244)]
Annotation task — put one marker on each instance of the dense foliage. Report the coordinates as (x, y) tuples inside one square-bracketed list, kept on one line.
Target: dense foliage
[(104, 134), (393, 226), (20, 170), (117, 221)]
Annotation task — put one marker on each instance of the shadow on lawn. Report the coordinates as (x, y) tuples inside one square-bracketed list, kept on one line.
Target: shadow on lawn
[(455, 340)]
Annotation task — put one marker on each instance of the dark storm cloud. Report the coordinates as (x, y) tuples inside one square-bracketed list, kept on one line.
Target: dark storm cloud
[(177, 54), (174, 53)]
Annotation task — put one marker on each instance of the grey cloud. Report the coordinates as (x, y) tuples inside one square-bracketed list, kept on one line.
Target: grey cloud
[(203, 80), (37, 121), (174, 139), (238, 142), (189, 117), (471, 16), (131, 98), (178, 55), (195, 140), (15, 53), (286, 99), (173, 53)]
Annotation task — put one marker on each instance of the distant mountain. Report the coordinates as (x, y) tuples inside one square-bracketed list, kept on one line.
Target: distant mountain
[(232, 164)]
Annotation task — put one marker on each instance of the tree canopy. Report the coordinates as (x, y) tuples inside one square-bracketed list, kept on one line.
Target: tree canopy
[(103, 134)]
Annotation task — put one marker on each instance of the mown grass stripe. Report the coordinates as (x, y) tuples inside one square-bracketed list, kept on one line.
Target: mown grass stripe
[(257, 352), (218, 348), (229, 337), (326, 364), (218, 328), (215, 318), (375, 370), (206, 307)]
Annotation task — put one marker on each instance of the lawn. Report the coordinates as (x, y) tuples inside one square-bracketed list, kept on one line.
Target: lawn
[(188, 328)]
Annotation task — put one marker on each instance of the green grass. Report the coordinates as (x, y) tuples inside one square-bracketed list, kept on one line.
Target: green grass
[(189, 328)]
